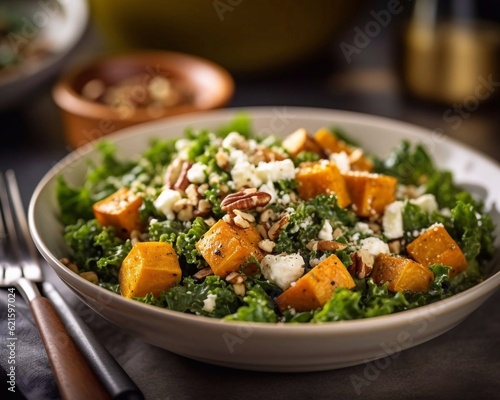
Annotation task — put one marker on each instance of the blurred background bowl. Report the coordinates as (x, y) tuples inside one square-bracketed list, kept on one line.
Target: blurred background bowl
[(88, 116), (55, 27), (246, 37)]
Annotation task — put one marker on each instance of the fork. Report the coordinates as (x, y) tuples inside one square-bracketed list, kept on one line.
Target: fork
[(19, 267)]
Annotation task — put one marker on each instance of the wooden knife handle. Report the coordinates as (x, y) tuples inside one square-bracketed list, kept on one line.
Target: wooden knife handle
[(73, 375)]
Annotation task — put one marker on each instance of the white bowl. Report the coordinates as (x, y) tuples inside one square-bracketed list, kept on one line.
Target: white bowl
[(274, 347), (61, 24)]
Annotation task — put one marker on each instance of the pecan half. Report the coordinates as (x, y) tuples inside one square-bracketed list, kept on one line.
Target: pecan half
[(325, 245), (182, 181), (176, 174), (277, 227), (362, 264), (245, 200)]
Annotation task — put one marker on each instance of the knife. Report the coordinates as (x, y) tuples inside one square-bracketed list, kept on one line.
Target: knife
[(119, 385)]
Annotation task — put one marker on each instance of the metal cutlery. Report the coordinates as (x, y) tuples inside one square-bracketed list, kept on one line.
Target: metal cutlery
[(82, 367)]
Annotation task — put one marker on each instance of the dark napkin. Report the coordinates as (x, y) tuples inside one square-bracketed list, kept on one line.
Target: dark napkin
[(33, 376)]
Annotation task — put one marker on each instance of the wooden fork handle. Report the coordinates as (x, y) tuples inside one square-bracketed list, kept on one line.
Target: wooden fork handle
[(73, 375)]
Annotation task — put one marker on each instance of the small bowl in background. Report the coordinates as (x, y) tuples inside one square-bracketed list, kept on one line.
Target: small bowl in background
[(48, 36), (118, 91)]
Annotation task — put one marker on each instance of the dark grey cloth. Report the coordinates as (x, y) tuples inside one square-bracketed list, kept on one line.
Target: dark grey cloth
[(24, 351)]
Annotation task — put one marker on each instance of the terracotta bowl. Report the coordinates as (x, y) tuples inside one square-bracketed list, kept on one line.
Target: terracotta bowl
[(85, 119)]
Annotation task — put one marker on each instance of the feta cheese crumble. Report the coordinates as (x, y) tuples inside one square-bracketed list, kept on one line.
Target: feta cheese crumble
[(374, 246), (282, 269), (165, 202), (209, 303)]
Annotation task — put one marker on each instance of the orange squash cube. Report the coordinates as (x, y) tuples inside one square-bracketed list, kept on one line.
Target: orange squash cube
[(330, 142), (226, 247), (322, 178), (436, 246), (120, 210), (402, 274), (150, 267), (314, 289), (370, 193)]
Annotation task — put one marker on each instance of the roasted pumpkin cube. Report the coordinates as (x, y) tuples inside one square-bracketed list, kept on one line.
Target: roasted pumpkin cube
[(149, 268), (370, 193), (331, 143), (120, 210), (300, 140), (226, 247), (436, 246), (322, 177), (314, 289), (402, 274)]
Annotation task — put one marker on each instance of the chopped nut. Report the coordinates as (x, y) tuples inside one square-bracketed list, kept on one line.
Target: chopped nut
[(395, 246), (135, 236), (239, 289), (262, 230), (245, 200), (203, 208), (67, 263), (222, 159), (356, 155), (90, 276), (203, 273), (228, 218), (362, 264), (184, 209), (202, 189), (330, 245), (267, 245), (210, 221), (172, 173), (276, 229), (244, 215), (182, 181), (266, 215), (235, 278), (192, 194), (241, 222)]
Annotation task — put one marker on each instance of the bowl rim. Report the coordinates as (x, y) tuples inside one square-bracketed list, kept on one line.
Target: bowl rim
[(488, 286), (70, 100)]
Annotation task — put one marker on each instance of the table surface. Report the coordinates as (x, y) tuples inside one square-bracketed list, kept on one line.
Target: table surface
[(463, 360)]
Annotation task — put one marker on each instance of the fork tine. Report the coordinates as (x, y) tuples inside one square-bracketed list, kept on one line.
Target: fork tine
[(10, 273), (20, 214), (10, 226), (21, 237), (17, 233)]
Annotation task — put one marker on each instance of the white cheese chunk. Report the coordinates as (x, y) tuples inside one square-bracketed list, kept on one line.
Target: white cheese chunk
[(274, 171), (341, 160), (363, 227), (326, 232), (243, 174), (392, 222), (374, 246), (165, 202), (427, 202), (197, 173), (209, 303), (234, 141), (282, 269)]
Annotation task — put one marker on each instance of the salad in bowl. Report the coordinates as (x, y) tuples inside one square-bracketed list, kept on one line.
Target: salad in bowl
[(309, 227)]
